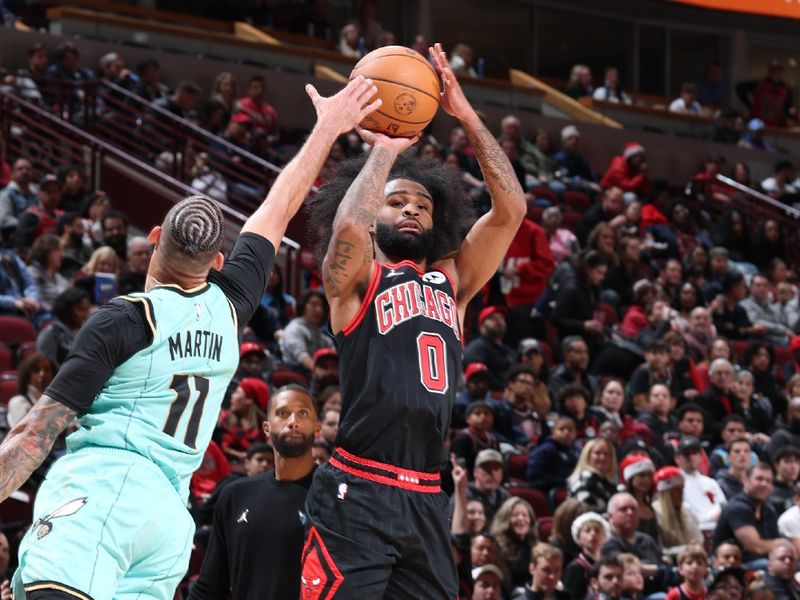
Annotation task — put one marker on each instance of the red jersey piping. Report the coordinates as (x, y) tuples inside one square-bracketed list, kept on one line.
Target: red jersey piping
[(368, 298)]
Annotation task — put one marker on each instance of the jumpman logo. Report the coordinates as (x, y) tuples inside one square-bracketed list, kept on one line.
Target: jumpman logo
[(243, 517)]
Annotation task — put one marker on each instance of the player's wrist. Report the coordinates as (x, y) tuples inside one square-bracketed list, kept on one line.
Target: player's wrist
[(327, 127), (470, 118)]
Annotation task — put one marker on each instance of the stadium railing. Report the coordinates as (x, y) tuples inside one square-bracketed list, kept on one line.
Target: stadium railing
[(757, 206), (136, 187)]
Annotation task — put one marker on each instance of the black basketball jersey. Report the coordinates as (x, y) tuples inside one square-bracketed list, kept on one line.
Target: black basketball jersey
[(400, 360)]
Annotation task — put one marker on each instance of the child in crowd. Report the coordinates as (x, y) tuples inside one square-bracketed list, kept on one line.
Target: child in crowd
[(632, 577), (554, 458), (477, 436), (693, 567), (574, 401), (545, 568), (590, 532)]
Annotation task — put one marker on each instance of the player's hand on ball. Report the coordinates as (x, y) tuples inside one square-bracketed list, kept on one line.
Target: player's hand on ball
[(395, 145), (347, 107), (453, 100)]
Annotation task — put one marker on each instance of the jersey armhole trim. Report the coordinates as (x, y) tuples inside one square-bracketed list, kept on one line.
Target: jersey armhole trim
[(148, 311), (362, 310), (54, 585), (234, 316), (455, 299)]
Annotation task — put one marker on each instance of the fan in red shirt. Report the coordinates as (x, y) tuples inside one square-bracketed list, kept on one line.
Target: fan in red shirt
[(628, 171), (526, 268), (261, 116)]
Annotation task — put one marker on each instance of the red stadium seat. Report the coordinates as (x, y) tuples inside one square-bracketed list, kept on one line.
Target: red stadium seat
[(6, 358), (17, 508), (577, 200), (282, 376), (783, 355), (534, 213), (25, 350), (517, 466), (571, 219), (547, 354), (739, 348), (544, 528), (610, 315), (551, 333), (14, 330), (545, 193), (556, 497), (8, 389), (534, 497)]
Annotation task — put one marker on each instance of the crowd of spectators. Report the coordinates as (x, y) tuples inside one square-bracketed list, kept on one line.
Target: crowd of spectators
[(629, 420), (765, 102)]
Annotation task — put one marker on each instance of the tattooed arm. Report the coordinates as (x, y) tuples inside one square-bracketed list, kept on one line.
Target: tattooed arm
[(349, 261), (30, 441), (489, 239)]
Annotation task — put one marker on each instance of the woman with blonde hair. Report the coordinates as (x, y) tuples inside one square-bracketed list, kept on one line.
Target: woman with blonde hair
[(98, 277), (678, 524), (580, 82), (594, 479), (514, 529)]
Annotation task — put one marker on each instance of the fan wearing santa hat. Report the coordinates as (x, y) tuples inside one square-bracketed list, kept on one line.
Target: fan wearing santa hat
[(636, 478), (628, 171), (679, 525)]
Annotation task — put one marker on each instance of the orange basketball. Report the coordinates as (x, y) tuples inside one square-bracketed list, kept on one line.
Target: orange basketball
[(408, 86)]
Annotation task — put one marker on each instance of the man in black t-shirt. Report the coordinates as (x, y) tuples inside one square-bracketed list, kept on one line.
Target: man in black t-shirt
[(750, 519), (257, 520)]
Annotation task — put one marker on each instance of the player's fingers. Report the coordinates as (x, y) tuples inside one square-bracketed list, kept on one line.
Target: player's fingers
[(432, 54), (366, 92), (312, 93), (366, 135), (356, 86), (371, 107), (448, 77)]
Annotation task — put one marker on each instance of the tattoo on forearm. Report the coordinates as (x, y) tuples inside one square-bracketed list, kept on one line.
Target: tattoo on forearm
[(493, 161), (339, 256), (360, 206), (28, 444)]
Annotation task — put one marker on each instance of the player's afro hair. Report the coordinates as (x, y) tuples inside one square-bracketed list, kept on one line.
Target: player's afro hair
[(452, 206)]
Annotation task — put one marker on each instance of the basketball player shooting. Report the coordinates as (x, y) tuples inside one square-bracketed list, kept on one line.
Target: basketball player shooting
[(145, 378), (399, 274)]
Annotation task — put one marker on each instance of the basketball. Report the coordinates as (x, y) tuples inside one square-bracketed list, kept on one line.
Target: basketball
[(408, 86)]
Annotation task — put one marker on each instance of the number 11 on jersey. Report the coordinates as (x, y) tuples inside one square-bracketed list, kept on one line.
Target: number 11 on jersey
[(180, 385)]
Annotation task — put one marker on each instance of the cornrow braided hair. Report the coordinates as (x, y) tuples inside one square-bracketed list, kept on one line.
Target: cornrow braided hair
[(197, 226)]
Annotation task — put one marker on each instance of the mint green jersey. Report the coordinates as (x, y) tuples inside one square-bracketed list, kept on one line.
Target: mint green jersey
[(164, 401)]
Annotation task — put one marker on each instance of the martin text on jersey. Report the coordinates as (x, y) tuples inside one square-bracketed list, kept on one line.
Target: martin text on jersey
[(195, 343)]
